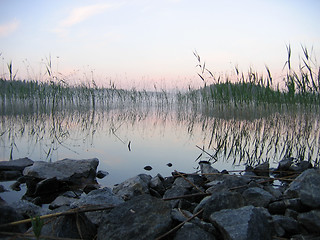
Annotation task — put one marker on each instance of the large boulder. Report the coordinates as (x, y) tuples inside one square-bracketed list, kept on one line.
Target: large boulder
[(77, 172), (306, 187), (257, 197), (246, 223), (142, 217), (8, 215), (310, 220), (132, 187)]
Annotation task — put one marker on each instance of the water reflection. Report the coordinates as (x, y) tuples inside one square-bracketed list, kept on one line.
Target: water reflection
[(158, 136)]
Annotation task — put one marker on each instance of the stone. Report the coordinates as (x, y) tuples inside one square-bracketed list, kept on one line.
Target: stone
[(310, 220), (70, 226), (61, 201), (2, 189), (207, 169), (257, 197), (101, 174), (246, 223), (28, 209), (218, 201), (306, 187), (147, 168), (77, 172), (15, 165), (103, 197), (9, 175), (156, 183), (9, 214), (181, 182), (227, 182), (262, 169), (132, 187), (175, 191), (192, 231), (285, 164), (301, 166), (279, 207), (142, 217), (288, 224)]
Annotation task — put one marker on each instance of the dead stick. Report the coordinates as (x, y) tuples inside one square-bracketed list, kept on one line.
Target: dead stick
[(180, 225), (207, 153), (189, 181), (72, 211)]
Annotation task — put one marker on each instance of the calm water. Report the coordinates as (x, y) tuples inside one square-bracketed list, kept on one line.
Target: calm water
[(157, 137)]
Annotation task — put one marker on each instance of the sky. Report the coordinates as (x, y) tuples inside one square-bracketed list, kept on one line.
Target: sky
[(147, 43)]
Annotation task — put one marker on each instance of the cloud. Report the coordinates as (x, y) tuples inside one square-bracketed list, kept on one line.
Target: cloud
[(8, 28)]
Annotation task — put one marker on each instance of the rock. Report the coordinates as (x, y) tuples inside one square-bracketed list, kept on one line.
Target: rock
[(307, 187), (285, 164), (101, 174), (70, 226), (3, 189), (102, 198), (227, 182), (61, 201), (147, 168), (142, 217), (247, 223), (175, 191), (192, 231), (28, 209), (301, 166), (257, 197), (9, 214), (275, 192), (207, 169), (76, 172), (289, 225), (218, 201), (279, 207), (169, 164), (181, 182), (156, 183), (9, 175), (15, 165), (262, 169), (132, 187), (310, 220)]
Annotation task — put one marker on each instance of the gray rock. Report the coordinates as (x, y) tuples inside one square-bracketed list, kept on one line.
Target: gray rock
[(227, 182), (207, 169), (273, 191), (307, 187), (289, 225), (28, 209), (310, 220), (2, 189), (192, 231), (100, 198), (175, 191), (70, 226), (9, 214), (61, 201), (181, 182), (279, 207), (285, 164), (218, 201), (9, 175), (142, 217), (257, 197), (262, 169), (101, 174), (156, 183), (300, 166), (133, 187), (247, 223), (77, 172), (15, 165)]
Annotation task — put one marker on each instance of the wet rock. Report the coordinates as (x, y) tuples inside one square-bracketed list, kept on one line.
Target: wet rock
[(307, 187), (70, 226), (192, 231), (285, 226), (156, 183), (262, 169), (101, 174), (76, 172), (243, 223), (169, 164), (9, 175), (132, 187), (142, 217), (15, 165), (257, 197), (9, 214), (207, 169), (218, 201), (310, 220)]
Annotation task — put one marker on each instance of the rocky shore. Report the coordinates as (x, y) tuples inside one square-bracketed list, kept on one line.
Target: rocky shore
[(257, 203)]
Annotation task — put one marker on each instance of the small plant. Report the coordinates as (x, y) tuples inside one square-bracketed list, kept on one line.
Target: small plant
[(37, 224)]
